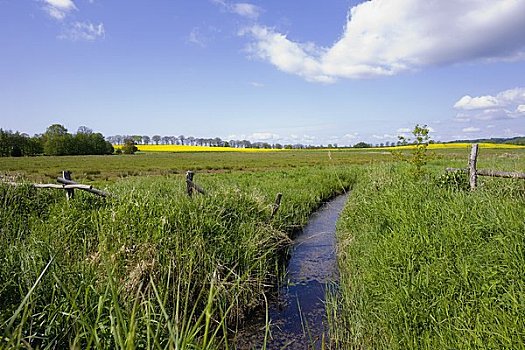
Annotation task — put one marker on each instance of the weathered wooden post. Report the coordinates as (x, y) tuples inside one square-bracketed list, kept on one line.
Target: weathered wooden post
[(277, 204), (70, 193), (189, 182), (190, 185), (473, 175)]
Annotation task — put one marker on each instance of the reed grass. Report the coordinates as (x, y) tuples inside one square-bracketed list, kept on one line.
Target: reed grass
[(427, 266), (148, 267)]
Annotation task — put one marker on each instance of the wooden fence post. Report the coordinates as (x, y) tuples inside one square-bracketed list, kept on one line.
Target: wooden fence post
[(70, 193), (277, 204), (191, 187), (473, 175), (189, 182)]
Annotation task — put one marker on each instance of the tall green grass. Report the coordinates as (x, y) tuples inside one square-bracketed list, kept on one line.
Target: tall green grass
[(430, 267), (148, 267)]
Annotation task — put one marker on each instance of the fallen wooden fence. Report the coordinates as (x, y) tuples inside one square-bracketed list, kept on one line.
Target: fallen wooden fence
[(474, 172), (67, 184)]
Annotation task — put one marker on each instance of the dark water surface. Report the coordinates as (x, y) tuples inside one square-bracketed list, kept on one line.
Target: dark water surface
[(297, 314)]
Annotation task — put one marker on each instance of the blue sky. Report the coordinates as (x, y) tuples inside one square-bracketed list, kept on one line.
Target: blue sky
[(313, 72)]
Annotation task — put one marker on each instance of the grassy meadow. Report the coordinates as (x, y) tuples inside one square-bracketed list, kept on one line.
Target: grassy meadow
[(427, 264), (148, 267), (424, 263)]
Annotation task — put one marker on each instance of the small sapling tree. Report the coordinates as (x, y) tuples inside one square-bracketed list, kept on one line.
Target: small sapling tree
[(419, 156)]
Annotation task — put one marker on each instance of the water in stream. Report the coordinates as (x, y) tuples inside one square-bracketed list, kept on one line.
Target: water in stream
[(297, 313)]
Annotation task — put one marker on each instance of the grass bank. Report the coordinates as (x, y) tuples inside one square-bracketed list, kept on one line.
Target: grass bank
[(427, 266), (148, 267)]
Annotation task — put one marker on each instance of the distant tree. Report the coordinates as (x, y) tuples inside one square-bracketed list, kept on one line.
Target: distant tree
[(182, 138), (146, 139), (362, 145), (57, 141), (129, 146), (16, 151), (84, 130), (156, 139)]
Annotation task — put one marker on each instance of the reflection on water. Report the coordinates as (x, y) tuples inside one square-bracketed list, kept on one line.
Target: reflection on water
[(297, 314)]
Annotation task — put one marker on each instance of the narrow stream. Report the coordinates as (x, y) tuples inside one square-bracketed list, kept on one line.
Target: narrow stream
[(297, 314)]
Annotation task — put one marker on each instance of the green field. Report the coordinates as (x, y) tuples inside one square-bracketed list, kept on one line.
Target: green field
[(424, 264)]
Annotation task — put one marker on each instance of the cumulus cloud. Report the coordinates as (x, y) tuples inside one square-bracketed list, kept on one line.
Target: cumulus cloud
[(467, 102), (242, 9), (86, 31), (507, 104), (470, 129), (387, 37), (59, 9)]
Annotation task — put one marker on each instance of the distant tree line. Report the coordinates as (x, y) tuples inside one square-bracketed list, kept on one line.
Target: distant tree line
[(218, 142), (56, 141), (16, 144), (197, 141)]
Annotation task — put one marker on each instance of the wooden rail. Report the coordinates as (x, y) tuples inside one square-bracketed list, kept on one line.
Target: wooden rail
[(65, 183), (68, 182), (474, 172)]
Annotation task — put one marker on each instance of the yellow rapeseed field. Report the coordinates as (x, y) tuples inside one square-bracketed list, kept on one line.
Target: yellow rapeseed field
[(434, 146), (186, 148), (459, 145)]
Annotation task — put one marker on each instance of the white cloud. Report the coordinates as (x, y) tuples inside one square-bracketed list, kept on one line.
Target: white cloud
[(195, 37), (242, 9), (384, 137), (246, 10), (290, 57), (256, 84), (350, 136), (470, 129), (263, 136), (404, 130), (482, 102), (84, 31), (59, 9), (507, 104), (386, 37)]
